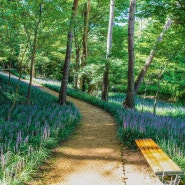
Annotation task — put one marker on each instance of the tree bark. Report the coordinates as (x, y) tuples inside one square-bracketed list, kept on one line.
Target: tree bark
[(110, 29), (31, 72), (63, 88), (149, 60), (105, 85), (76, 85), (85, 35), (129, 102)]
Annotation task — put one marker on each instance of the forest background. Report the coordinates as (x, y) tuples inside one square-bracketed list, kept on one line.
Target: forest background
[(34, 36), (33, 33)]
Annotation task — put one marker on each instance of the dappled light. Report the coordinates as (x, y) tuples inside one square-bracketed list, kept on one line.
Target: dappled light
[(93, 153), (92, 92)]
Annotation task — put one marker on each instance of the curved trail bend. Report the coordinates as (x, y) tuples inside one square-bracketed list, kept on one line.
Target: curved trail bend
[(94, 155), (91, 156)]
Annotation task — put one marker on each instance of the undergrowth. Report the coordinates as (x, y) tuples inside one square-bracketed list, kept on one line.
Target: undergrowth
[(33, 130)]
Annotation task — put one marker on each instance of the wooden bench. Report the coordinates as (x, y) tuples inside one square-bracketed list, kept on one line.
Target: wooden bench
[(160, 163)]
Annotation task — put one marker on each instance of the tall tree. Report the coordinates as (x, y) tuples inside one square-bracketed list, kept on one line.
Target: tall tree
[(77, 62), (63, 88), (129, 102), (105, 84), (149, 60), (85, 35)]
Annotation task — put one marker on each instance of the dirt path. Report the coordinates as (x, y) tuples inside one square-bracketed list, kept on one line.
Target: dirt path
[(94, 155)]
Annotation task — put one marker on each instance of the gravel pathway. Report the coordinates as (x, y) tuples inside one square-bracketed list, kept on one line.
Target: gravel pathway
[(94, 155)]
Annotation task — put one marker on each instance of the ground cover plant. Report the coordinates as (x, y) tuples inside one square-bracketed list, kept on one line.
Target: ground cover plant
[(166, 127), (26, 139)]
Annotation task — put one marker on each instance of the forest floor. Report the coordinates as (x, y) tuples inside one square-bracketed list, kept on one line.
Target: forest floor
[(93, 155)]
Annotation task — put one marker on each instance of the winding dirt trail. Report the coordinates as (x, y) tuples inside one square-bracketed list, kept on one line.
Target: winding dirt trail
[(94, 155)]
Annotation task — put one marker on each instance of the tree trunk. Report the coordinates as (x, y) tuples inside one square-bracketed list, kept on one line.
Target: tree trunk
[(31, 77), (33, 54), (34, 71), (63, 88), (76, 85), (85, 35), (129, 102), (105, 85), (149, 60)]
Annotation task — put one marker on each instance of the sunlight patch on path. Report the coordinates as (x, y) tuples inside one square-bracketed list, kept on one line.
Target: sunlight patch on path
[(94, 156), (91, 156)]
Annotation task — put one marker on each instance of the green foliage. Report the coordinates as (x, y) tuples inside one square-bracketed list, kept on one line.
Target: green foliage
[(182, 98), (51, 41), (18, 22)]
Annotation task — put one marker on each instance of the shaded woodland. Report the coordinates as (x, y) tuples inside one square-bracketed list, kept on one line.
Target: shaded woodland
[(124, 57), (34, 38)]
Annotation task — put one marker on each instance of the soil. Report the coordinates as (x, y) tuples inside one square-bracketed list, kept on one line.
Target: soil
[(93, 155)]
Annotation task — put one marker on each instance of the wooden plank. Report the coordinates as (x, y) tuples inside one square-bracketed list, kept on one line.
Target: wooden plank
[(163, 159), (157, 159), (148, 156), (153, 155)]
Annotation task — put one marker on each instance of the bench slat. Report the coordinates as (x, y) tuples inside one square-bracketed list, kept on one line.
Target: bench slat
[(162, 160), (147, 154), (157, 159)]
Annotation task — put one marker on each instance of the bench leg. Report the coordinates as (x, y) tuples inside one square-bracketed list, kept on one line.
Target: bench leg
[(175, 180)]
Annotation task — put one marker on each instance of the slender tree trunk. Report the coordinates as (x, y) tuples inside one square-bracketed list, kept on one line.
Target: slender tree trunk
[(76, 85), (129, 102), (85, 50), (77, 62), (63, 88), (34, 71), (105, 85), (33, 54), (149, 60)]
